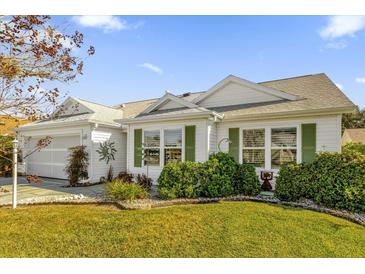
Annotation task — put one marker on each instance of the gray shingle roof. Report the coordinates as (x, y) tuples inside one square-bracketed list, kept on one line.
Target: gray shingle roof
[(100, 113), (316, 92)]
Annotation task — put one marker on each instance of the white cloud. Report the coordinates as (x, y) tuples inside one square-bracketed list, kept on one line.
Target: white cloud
[(336, 45), (360, 80), (339, 86), (341, 26), (151, 67), (107, 23)]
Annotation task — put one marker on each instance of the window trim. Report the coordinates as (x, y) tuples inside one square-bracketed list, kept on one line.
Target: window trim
[(144, 147), (182, 147), (268, 141), (162, 142), (254, 148), (296, 148)]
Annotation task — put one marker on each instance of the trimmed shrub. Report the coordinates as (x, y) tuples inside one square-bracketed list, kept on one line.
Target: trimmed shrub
[(245, 180), (218, 172), (121, 191), (351, 148), (180, 180), (144, 181), (335, 180), (339, 181), (293, 182)]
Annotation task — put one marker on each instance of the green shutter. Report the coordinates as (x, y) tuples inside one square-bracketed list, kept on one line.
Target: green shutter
[(233, 135), (308, 142), (138, 147), (190, 143)]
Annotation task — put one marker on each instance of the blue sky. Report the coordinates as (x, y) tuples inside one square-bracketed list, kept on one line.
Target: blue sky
[(139, 57)]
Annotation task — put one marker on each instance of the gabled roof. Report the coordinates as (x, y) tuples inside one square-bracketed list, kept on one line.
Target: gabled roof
[(167, 98), (310, 94), (97, 113), (234, 79)]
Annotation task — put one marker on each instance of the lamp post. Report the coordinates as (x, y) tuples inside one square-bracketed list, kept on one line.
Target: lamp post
[(15, 171)]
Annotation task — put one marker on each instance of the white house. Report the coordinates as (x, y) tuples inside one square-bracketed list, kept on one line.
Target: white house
[(266, 124)]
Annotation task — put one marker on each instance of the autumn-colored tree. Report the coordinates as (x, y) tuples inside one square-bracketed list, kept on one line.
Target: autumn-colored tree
[(354, 120), (34, 54)]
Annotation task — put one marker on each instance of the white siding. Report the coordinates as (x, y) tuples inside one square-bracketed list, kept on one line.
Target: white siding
[(236, 94), (328, 132), (100, 168), (170, 105), (74, 108), (328, 129), (201, 144)]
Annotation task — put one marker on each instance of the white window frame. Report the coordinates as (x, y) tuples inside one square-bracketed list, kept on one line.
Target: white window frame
[(268, 142), (297, 148), (255, 148), (162, 143), (144, 147), (180, 147)]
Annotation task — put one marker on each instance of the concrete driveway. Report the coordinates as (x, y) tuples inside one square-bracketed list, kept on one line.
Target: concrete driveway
[(48, 188)]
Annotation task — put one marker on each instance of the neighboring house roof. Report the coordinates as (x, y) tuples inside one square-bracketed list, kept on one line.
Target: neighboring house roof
[(97, 113), (9, 123), (355, 135)]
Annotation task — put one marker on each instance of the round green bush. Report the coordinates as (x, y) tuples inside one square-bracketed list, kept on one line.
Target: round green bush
[(219, 171), (245, 180), (181, 180)]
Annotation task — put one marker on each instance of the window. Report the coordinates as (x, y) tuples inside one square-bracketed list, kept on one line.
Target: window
[(173, 145), (254, 147), (283, 146), (151, 147)]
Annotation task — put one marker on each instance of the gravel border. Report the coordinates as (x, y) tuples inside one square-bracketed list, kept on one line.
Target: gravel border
[(358, 218), (146, 204)]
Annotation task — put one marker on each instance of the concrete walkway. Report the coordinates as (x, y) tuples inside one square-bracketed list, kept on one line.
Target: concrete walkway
[(49, 187)]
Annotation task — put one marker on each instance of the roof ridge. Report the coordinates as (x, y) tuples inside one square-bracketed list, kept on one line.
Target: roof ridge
[(293, 77), (99, 104)]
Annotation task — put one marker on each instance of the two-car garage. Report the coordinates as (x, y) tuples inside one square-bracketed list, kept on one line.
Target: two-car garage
[(50, 161)]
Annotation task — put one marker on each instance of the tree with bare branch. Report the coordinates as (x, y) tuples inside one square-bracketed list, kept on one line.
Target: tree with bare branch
[(34, 54)]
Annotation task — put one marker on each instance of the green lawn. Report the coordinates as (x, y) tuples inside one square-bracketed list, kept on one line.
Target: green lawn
[(229, 229)]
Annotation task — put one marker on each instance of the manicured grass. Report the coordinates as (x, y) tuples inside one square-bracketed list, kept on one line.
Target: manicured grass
[(230, 229)]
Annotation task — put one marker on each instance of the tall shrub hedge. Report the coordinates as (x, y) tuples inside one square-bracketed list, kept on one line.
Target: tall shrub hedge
[(335, 180), (220, 176), (181, 180)]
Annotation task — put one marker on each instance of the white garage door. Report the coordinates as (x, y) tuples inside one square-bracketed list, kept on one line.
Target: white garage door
[(50, 161)]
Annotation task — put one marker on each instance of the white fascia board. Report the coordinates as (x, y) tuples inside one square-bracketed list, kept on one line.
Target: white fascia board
[(296, 113), (235, 79), (66, 124), (205, 114)]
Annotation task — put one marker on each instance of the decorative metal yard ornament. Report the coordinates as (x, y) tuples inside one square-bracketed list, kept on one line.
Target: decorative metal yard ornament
[(106, 151), (15, 171), (266, 177), (227, 140)]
